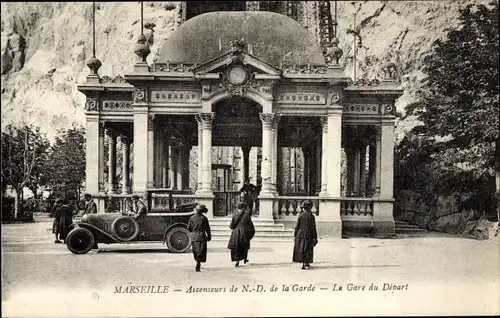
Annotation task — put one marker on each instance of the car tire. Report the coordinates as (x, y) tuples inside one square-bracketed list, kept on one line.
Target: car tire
[(80, 240), (125, 228), (178, 240)]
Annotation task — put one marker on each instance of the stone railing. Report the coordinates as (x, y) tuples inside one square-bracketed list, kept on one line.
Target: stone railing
[(118, 203), (356, 206), (290, 205)]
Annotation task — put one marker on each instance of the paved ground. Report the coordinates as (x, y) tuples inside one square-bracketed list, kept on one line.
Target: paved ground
[(433, 274)]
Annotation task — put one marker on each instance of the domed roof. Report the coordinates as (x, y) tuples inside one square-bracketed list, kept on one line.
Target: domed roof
[(275, 39)]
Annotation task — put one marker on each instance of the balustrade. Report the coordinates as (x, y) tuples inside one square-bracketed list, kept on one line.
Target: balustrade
[(356, 206), (290, 205)]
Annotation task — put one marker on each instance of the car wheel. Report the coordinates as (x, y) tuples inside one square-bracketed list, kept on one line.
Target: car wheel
[(125, 228), (80, 241), (178, 240)]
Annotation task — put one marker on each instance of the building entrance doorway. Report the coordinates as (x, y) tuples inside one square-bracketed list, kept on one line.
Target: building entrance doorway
[(225, 197)]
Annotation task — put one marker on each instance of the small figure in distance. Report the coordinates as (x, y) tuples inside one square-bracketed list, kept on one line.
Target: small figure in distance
[(139, 207), (90, 205), (200, 235), (306, 236)]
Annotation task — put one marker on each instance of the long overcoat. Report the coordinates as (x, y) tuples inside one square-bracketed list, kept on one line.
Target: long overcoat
[(200, 234), (243, 231), (306, 238), (62, 220)]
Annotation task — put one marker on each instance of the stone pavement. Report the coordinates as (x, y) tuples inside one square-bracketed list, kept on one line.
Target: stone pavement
[(423, 275)]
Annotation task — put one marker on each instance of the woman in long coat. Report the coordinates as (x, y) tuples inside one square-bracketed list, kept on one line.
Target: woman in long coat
[(200, 235), (62, 220), (243, 232), (306, 236)]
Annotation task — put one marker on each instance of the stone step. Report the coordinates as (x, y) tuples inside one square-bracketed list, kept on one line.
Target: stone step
[(409, 230), (257, 239), (406, 226), (263, 226), (259, 232)]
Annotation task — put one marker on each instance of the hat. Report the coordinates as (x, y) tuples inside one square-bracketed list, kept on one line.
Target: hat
[(87, 195), (307, 204), (135, 196), (201, 208), (241, 205)]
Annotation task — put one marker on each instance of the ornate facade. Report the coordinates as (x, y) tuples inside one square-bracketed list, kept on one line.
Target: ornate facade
[(275, 100)]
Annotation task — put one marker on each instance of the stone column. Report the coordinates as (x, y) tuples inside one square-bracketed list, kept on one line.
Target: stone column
[(164, 167), (356, 171), (111, 161), (179, 168), (100, 167), (378, 157), (93, 155), (387, 159), (174, 157), (151, 151), (125, 165), (318, 166), (351, 157), (141, 154), (245, 149), (267, 154), (371, 169), (307, 172), (324, 163), (206, 120), (274, 153), (334, 153), (200, 154), (160, 157), (362, 175)]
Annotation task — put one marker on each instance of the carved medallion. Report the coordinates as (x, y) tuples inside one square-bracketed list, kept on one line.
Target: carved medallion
[(91, 105), (139, 95)]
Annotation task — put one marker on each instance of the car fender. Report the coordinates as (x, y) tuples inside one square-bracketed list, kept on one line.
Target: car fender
[(96, 231), (178, 224)]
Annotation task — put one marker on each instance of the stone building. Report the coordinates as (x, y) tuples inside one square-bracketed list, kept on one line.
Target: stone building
[(248, 90)]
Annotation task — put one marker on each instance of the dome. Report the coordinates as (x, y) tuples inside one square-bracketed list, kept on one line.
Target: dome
[(275, 39)]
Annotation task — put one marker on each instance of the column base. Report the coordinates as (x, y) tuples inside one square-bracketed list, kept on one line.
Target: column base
[(266, 206), (328, 222), (101, 208)]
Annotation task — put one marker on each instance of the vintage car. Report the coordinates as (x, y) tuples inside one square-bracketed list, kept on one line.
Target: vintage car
[(168, 226)]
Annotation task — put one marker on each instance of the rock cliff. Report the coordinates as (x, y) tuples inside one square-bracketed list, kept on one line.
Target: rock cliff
[(44, 47)]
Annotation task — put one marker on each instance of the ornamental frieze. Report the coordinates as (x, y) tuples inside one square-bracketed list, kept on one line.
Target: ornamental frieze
[(304, 69), (361, 108), (172, 67), (175, 96), (388, 109), (302, 98), (111, 105), (117, 79)]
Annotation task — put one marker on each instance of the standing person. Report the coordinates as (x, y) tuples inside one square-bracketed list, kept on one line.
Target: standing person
[(90, 205), (243, 232), (248, 192), (139, 206), (306, 236), (65, 219), (57, 217), (200, 235)]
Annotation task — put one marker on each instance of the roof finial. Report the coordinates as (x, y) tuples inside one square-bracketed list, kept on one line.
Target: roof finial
[(93, 63), (141, 48), (333, 52)]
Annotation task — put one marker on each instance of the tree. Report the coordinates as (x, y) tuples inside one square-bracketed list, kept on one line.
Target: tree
[(65, 169), (23, 150), (459, 98)]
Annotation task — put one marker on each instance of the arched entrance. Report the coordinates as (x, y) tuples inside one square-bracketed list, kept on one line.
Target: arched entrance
[(237, 138)]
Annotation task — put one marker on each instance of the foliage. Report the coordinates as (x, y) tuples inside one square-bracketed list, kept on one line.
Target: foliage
[(65, 168), (23, 151), (459, 98), (456, 147)]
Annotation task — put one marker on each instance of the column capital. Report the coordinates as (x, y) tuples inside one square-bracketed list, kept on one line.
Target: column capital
[(269, 119), (124, 140), (110, 134), (205, 119)]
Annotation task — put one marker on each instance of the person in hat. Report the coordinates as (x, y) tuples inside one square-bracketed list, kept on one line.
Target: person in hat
[(306, 236), (90, 205), (200, 235), (248, 193), (139, 206), (243, 231), (57, 217), (62, 220)]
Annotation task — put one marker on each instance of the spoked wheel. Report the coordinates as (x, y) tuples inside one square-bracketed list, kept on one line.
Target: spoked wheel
[(178, 240), (125, 228), (80, 241)]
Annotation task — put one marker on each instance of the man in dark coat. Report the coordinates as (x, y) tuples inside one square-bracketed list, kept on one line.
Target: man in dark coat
[(249, 192), (306, 236), (63, 219), (243, 232), (200, 235), (90, 205)]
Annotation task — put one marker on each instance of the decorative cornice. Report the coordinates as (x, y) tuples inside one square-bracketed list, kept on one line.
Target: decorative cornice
[(174, 96), (173, 67), (116, 79), (113, 105), (361, 108), (301, 98), (304, 69)]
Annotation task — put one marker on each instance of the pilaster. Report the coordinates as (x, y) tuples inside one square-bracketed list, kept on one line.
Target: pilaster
[(205, 120)]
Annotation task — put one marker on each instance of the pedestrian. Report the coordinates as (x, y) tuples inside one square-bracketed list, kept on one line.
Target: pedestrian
[(55, 223), (243, 231), (306, 236), (63, 219), (90, 205), (248, 193), (139, 207), (200, 235)]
